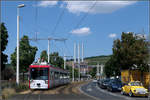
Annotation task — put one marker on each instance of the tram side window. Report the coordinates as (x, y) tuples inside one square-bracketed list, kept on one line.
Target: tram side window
[(64, 75), (61, 76), (68, 75), (51, 75), (56, 75)]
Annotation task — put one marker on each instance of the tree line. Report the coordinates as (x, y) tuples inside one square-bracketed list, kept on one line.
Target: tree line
[(129, 52)]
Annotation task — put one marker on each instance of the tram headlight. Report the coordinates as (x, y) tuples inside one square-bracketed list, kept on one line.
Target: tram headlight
[(46, 81)]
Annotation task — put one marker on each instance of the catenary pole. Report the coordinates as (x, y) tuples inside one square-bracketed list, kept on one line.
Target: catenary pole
[(74, 62), (149, 52), (82, 53), (64, 61), (79, 60), (48, 50)]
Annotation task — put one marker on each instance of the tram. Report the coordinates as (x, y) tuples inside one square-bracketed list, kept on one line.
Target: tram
[(45, 76)]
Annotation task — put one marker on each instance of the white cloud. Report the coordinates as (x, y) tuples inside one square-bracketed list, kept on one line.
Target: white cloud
[(112, 35), (47, 3), (100, 6), (81, 31)]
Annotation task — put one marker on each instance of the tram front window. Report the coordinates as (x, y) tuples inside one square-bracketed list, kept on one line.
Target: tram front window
[(39, 73)]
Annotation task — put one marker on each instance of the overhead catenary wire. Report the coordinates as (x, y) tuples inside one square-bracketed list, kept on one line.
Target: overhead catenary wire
[(67, 48), (136, 4), (58, 48), (84, 16), (36, 19), (58, 21)]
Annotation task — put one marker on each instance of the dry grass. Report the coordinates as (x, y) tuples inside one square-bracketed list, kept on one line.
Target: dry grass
[(7, 92), (54, 90), (65, 89), (25, 92)]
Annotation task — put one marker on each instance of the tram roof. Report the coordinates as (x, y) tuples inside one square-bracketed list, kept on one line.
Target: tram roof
[(45, 65)]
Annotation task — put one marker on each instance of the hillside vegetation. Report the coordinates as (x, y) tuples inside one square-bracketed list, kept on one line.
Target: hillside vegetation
[(94, 59)]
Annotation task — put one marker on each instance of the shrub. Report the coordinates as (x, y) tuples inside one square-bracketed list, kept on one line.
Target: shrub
[(21, 87)]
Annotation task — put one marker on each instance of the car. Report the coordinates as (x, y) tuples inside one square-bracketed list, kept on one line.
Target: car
[(103, 83), (98, 81), (95, 80), (134, 88), (114, 85)]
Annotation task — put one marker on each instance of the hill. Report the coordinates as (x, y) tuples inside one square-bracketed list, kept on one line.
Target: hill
[(94, 59)]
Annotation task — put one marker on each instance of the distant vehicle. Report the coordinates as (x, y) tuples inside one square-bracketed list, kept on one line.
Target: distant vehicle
[(103, 83), (134, 88), (114, 85), (44, 76), (95, 80)]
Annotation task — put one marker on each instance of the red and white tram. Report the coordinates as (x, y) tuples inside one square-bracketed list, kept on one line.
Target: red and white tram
[(44, 76)]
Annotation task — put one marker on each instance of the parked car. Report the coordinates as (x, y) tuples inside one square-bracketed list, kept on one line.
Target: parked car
[(103, 83), (134, 88), (114, 85), (98, 81)]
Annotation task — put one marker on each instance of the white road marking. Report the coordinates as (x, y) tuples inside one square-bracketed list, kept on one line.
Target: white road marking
[(87, 94), (39, 97), (89, 89)]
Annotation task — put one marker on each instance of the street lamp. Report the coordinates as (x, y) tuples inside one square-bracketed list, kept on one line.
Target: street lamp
[(21, 5), (17, 72)]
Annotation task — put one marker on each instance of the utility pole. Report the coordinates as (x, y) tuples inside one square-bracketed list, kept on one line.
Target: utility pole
[(79, 60), (64, 61), (18, 19), (48, 50), (74, 62), (149, 57), (74, 52), (82, 53), (98, 70), (102, 67), (49, 38), (65, 57)]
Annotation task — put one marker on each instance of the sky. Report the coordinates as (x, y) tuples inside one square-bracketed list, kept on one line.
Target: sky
[(94, 23)]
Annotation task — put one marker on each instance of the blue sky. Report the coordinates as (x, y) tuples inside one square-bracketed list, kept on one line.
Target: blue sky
[(104, 22)]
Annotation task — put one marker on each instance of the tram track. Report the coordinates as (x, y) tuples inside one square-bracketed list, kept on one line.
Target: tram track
[(61, 92), (27, 95), (33, 92)]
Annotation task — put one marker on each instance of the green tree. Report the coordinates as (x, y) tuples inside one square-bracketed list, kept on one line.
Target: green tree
[(27, 55), (131, 50), (56, 60), (110, 68), (44, 55), (69, 68), (8, 73), (4, 41), (93, 72)]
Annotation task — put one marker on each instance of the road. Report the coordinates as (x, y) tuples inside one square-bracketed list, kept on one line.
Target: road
[(74, 91), (93, 90), (66, 92)]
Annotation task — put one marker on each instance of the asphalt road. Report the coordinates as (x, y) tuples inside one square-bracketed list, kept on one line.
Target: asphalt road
[(66, 92), (93, 90), (76, 91)]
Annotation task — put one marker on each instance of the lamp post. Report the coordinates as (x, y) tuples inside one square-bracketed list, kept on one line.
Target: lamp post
[(17, 69)]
